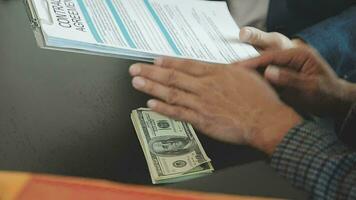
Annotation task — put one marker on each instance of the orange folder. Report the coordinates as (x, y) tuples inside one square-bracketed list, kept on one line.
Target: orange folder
[(27, 186)]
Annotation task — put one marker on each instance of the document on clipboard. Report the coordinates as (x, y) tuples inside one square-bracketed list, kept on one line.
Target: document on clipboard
[(139, 29)]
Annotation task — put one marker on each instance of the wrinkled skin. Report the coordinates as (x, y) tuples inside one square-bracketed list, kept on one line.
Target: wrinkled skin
[(304, 80), (307, 83)]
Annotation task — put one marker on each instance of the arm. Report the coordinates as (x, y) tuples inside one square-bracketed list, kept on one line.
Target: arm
[(315, 160), (335, 40), (232, 103)]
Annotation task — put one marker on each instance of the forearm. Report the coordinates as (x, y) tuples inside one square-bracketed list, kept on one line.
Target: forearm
[(313, 158)]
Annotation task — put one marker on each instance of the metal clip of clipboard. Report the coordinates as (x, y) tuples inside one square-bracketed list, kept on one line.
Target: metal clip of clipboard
[(36, 20), (32, 15)]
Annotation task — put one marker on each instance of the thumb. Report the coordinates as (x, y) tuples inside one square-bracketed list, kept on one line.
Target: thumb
[(259, 38), (283, 77)]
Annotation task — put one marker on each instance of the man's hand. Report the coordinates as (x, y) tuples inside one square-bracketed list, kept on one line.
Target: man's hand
[(267, 41), (306, 82), (230, 103)]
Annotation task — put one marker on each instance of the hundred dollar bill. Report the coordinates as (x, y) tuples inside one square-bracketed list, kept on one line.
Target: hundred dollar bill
[(171, 148)]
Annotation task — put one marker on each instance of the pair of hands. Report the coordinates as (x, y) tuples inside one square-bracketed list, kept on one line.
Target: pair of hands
[(304, 80), (233, 103)]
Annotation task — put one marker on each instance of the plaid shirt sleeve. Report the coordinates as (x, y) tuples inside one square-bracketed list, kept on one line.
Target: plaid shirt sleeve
[(314, 159)]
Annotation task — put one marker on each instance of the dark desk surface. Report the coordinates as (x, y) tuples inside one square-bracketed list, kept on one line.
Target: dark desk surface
[(68, 114)]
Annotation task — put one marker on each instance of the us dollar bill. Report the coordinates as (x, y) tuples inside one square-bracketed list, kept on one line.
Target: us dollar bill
[(171, 148)]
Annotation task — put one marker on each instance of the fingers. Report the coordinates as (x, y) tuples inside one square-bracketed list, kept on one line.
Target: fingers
[(168, 77), (194, 68), (176, 112), (170, 95), (283, 77), (261, 39), (293, 59)]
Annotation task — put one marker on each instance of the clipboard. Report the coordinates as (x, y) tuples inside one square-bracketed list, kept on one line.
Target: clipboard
[(35, 23), (42, 17)]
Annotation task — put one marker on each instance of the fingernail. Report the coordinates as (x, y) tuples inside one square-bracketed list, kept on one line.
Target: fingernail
[(158, 61), (272, 73), (135, 69), (151, 103), (246, 35), (138, 82)]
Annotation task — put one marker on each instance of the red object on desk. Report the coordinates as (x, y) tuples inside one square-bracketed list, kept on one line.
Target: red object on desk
[(26, 186)]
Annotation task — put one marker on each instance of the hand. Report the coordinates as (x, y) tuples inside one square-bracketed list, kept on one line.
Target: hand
[(230, 103), (268, 41), (307, 82)]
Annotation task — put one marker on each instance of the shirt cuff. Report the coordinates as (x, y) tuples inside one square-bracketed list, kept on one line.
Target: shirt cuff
[(302, 155)]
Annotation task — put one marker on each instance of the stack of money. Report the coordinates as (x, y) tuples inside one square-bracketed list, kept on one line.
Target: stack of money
[(172, 149)]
